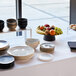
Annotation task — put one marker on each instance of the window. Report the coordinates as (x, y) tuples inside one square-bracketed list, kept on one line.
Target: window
[(7, 9)]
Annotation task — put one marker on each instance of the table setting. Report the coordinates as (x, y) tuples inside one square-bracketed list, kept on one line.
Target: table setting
[(26, 53)]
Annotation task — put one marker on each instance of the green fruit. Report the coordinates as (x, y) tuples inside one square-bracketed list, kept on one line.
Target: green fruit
[(58, 31)]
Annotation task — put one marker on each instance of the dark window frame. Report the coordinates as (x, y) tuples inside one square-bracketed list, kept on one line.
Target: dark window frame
[(18, 9)]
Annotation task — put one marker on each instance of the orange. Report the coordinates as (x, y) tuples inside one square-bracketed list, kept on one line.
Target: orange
[(41, 28), (52, 32)]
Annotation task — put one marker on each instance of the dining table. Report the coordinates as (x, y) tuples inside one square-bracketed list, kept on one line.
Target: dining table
[(63, 62)]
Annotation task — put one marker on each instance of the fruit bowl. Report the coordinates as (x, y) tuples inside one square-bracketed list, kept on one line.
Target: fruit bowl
[(49, 32), (73, 27)]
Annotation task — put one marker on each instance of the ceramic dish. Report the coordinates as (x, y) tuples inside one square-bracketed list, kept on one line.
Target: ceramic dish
[(3, 45), (1, 25), (22, 23), (6, 62), (32, 42), (21, 52), (45, 56), (47, 47), (11, 24)]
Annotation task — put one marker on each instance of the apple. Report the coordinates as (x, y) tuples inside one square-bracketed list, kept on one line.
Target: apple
[(41, 27), (48, 28), (46, 32), (47, 25)]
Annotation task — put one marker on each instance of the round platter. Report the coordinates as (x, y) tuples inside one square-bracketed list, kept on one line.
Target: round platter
[(21, 52), (3, 45), (6, 62), (45, 57)]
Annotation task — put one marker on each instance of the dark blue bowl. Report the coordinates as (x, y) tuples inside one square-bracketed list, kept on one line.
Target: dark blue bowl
[(1, 25), (22, 23), (49, 38)]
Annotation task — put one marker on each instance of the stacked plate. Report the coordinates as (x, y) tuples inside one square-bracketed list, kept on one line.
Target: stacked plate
[(3, 47), (21, 52), (6, 62)]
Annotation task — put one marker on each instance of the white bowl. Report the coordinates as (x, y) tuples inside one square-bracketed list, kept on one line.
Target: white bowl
[(32, 42), (21, 52)]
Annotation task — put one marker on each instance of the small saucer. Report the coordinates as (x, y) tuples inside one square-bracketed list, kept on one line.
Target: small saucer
[(45, 57)]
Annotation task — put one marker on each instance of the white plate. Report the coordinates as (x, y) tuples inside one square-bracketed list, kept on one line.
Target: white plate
[(45, 56), (3, 45), (21, 52)]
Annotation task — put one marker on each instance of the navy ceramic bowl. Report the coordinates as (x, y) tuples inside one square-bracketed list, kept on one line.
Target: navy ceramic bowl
[(1, 25), (22, 23), (49, 38)]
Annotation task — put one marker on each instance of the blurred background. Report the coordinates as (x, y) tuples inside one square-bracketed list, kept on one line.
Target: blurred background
[(38, 12), (37, 9)]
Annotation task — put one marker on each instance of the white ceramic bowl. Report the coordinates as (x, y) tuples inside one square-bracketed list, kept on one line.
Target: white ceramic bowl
[(32, 42), (21, 52)]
